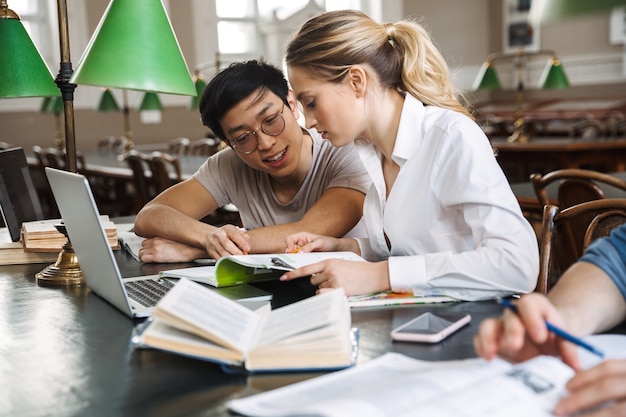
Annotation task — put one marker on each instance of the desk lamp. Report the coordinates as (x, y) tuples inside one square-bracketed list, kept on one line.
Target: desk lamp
[(150, 108), (133, 47), (553, 77), (24, 72), (199, 81)]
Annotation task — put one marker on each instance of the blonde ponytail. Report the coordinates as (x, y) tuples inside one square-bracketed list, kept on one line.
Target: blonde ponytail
[(402, 54)]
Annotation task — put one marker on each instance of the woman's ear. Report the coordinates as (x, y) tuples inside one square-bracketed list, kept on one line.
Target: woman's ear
[(293, 104), (357, 79)]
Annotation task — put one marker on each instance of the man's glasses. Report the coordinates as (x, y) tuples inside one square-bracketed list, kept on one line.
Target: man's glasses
[(272, 125)]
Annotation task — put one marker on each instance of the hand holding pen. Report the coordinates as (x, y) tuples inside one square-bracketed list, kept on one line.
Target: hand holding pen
[(560, 332), (524, 334)]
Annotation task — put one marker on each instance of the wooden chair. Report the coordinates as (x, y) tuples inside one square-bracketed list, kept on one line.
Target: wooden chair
[(152, 174), (561, 246), (205, 147), (178, 146), (576, 186)]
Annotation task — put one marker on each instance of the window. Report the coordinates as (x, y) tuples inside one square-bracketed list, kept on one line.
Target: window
[(35, 18), (238, 23)]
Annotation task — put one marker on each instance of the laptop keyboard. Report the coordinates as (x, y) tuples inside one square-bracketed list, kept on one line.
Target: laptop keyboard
[(148, 292)]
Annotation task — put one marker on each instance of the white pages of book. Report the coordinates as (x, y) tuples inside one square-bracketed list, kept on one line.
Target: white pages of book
[(396, 385)]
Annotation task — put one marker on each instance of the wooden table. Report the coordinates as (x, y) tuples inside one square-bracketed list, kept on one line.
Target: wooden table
[(65, 351), (519, 160)]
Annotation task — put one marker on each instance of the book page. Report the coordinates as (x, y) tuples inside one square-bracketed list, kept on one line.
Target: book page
[(209, 315), (131, 242), (289, 261), (314, 312), (396, 385)]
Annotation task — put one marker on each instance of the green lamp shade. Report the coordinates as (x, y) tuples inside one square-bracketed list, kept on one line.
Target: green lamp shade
[(150, 101), (134, 48), (558, 9), (24, 72), (554, 76), (107, 102), (487, 78), (195, 100)]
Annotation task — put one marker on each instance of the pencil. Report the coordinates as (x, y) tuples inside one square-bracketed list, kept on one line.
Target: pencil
[(296, 250), (559, 332)]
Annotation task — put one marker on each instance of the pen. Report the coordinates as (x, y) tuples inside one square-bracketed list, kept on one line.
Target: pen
[(279, 262), (296, 250), (559, 332)]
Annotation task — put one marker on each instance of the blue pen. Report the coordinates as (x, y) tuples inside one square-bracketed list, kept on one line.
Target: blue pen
[(559, 332)]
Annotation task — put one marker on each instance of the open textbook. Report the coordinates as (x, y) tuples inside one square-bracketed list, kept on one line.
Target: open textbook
[(396, 385), (241, 269), (311, 334)]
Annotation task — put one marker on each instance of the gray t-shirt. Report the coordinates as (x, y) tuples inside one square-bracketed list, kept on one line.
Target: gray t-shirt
[(230, 180)]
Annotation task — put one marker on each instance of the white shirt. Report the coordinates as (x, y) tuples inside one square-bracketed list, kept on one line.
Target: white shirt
[(452, 221)]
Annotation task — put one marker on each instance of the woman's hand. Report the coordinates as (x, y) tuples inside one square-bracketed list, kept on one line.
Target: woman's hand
[(523, 335), (355, 277)]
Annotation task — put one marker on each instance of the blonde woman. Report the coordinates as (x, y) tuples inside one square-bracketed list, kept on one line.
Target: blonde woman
[(440, 215)]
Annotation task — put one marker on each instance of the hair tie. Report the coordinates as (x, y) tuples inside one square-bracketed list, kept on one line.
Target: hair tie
[(390, 29)]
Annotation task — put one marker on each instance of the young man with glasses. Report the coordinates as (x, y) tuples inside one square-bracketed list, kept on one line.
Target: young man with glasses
[(282, 178)]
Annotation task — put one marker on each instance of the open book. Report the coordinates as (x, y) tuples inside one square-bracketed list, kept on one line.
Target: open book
[(242, 269), (397, 385), (311, 334)]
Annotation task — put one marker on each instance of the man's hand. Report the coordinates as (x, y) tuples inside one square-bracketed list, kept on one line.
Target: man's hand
[(228, 240), (157, 249)]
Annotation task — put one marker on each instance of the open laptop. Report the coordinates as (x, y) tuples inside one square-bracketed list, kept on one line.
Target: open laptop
[(136, 296)]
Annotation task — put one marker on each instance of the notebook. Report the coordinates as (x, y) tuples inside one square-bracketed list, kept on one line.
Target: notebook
[(136, 296)]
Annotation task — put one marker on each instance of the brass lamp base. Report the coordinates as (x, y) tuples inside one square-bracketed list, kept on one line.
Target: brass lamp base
[(66, 270), (519, 134)]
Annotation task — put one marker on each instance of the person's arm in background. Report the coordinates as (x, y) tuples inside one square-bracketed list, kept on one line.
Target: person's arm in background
[(590, 297)]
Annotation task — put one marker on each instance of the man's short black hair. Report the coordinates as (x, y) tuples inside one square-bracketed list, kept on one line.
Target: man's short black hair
[(235, 83)]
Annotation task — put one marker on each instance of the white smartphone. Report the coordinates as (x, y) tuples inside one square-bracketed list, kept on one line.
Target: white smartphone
[(430, 327)]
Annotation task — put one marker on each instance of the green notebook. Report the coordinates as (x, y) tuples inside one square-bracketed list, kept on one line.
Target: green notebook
[(243, 269)]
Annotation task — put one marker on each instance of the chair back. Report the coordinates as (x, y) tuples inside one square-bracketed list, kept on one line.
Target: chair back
[(575, 186), (152, 174), (561, 246), (178, 146), (205, 146)]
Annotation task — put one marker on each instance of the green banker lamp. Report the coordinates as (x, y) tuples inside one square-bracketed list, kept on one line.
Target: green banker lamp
[(134, 48), (200, 85), (150, 108), (553, 77), (24, 72)]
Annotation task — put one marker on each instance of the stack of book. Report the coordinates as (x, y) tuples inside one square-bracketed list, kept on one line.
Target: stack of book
[(42, 236)]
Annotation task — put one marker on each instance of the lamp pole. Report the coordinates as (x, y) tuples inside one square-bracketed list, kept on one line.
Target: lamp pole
[(67, 89)]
